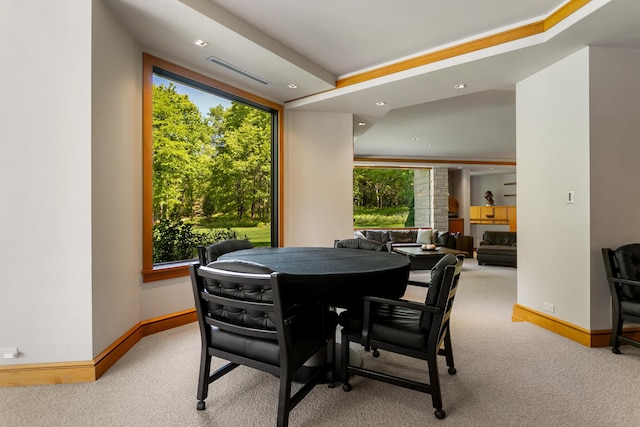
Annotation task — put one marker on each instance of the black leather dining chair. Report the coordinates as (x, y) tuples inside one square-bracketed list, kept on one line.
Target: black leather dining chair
[(246, 317), (207, 254), (419, 330), (622, 267)]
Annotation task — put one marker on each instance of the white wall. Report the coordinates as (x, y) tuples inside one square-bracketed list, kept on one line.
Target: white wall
[(552, 113), (165, 297), (45, 171), (494, 183), (318, 178), (577, 129), (614, 161), (72, 183), (116, 179)]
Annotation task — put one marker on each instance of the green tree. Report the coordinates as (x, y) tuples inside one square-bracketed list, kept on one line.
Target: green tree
[(241, 182), (181, 154), (376, 187)]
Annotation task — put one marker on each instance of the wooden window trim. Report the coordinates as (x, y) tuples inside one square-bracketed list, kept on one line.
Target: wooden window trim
[(150, 272)]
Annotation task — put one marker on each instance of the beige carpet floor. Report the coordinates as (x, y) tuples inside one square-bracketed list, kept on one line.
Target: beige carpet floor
[(509, 374)]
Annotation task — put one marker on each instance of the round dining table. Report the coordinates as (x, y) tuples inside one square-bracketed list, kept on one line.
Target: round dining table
[(338, 276)]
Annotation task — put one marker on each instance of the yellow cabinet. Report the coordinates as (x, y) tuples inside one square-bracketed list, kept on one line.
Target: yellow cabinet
[(493, 215), (475, 212)]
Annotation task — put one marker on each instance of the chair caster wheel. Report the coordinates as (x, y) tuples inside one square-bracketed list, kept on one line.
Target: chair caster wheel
[(201, 406), (346, 387), (439, 413), (331, 385), (452, 371), (376, 353), (615, 350)]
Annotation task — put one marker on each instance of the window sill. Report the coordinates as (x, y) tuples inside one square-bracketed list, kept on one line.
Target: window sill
[(167, 271)]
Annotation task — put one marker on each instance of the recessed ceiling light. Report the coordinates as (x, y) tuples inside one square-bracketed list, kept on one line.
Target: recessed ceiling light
[(200, 43), (293, 86), (416, 139), (362, 123), (460, 86), (381, 103)]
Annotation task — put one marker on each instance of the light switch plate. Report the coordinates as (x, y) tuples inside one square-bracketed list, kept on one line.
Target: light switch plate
[(571, 196)]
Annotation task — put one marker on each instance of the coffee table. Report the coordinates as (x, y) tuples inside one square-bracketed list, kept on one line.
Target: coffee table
[(425, 260)]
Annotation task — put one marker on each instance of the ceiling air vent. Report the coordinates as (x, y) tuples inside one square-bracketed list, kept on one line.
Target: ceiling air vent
[(238, 70)]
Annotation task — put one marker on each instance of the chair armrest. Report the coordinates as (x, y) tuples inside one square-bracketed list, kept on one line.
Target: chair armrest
[(418, 283), (420, 306), (624, 281)]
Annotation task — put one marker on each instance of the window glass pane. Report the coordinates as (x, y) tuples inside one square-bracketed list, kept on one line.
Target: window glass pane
[(211, 169), (383, 198)]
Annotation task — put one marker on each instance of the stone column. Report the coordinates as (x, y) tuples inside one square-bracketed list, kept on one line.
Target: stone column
[(422, 197), (439, 194)]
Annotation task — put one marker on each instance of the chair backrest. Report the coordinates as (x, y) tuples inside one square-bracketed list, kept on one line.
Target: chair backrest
[(250, 300), (211, 253), (366, 244), (441, 293), (624, 263), (237, 297)]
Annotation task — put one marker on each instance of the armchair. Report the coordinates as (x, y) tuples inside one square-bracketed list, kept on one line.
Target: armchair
[(419, 330), (246, 318), (623, 274)]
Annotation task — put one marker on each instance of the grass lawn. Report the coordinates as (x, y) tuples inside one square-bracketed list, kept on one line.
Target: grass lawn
[(379, 217), (259, 236), (259, 233)]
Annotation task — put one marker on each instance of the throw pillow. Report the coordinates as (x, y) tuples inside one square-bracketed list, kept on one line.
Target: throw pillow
[(442, 238), (424, 236), (359, 235)]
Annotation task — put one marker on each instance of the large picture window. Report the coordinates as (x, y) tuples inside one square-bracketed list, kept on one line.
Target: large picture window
[(211, 156), (383, 197)]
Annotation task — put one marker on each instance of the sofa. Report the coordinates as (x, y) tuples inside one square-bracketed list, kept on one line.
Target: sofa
[(408, 237), (498, 248)]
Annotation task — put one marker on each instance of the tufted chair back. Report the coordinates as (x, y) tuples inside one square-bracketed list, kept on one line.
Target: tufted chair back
[(231, 287), (247, 316), (214, 251), (622, 267), (628, 261)]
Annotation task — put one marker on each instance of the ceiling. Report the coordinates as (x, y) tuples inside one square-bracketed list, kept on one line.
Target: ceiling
[(314, 45)]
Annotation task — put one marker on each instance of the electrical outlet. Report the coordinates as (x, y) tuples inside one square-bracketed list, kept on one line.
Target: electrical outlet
[(547, 306), (9, 352)]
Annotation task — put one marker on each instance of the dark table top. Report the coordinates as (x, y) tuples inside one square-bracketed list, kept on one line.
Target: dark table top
[(337, 275)]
